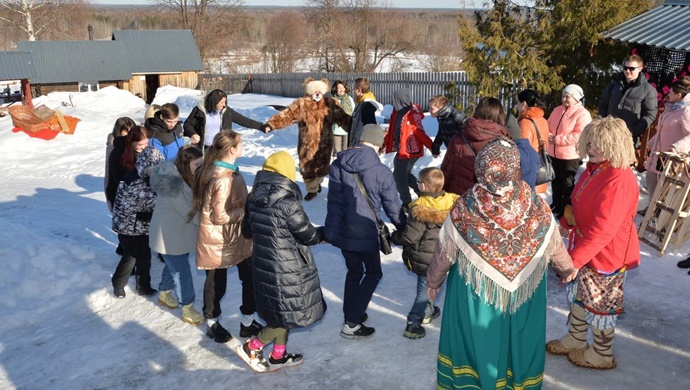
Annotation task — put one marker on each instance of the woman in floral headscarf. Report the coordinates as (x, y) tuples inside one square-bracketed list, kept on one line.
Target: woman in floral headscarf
[(497, 243)]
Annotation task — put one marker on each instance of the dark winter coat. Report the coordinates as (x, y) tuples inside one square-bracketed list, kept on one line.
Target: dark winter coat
[(450, 120), (115, 170), (529, 161), (458, 163), (419, 238), (196, 121), (315, 140), (286, 281), (168, 142), (133, 207), (364, 114), (636, 105), (350, 222)]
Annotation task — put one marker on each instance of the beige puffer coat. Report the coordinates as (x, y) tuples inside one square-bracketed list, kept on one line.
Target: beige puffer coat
[(220, 243)]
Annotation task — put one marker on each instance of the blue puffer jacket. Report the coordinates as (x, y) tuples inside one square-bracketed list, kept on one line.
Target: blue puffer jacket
[(350, 223), (529, 161)]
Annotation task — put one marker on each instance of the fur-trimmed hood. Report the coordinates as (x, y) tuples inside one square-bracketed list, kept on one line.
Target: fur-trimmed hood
[(166, 180), (432, 207)]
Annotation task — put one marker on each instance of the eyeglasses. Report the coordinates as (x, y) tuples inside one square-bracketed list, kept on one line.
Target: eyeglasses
[(631, 68)]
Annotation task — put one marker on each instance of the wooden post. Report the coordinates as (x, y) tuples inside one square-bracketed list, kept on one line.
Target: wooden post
[(27, 100)]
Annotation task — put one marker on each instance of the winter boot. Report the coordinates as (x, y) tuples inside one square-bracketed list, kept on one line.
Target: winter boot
[(599, 355), (414, 330), (218, 333), (144, 288), (359, 331), (166, 299), (249, 331), (435, 312), (288, 360), (191, 316), (576, 339), (119, 292), (254, 358)]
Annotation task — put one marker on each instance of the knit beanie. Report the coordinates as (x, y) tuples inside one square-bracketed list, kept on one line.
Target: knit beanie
[(373, 134), (282, 163), (149, 157), (575, 91)]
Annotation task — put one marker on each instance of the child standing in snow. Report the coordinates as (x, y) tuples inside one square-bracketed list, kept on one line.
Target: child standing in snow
[(173, 234), (286, 280), (132, 212), (427, 214), (220, 194)]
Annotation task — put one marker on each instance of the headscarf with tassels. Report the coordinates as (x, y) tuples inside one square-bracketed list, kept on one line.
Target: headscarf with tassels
[(499, 230)]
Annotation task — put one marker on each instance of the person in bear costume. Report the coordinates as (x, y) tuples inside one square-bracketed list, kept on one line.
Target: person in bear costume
[(315, 115)]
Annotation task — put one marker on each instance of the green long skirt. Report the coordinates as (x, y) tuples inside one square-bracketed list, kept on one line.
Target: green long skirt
[(482, 348)]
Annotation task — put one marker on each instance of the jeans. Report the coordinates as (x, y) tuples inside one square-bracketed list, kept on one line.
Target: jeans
[(404, 179), (216, 284), (363, 275), (178, 275), (136, 251), (421, 306)]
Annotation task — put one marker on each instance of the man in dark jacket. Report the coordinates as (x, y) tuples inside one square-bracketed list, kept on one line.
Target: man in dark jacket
[(630, 97), (365, 110), (351, 223), (450, 120)]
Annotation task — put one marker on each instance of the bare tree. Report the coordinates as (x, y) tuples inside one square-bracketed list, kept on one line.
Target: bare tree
[(285, 35), (34, 17), (211, 21)]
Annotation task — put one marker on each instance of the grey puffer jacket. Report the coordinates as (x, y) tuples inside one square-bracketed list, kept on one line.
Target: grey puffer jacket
[(170, 232), (135, 199), (636, 105), (286, 282)]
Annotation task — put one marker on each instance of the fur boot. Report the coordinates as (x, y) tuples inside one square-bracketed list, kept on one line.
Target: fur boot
[(599, 355), (576, 339)]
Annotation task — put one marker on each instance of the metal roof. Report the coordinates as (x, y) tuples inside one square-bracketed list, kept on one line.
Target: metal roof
[(667, 26), (75, 61), (16, 65), (156, 51)]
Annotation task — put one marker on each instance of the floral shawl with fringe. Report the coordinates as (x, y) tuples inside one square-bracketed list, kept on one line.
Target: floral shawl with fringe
[(498, 231)]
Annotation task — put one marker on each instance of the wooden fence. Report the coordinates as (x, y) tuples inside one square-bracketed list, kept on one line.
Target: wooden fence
[(424, 86)]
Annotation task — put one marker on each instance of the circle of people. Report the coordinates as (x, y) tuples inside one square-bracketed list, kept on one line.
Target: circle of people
[(477, 221)]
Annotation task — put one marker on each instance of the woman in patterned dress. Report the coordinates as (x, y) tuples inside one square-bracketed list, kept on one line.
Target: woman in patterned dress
[(495, 247), (603, 242)]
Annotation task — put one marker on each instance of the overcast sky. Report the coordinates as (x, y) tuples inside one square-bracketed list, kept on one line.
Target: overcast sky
[(394, 3)]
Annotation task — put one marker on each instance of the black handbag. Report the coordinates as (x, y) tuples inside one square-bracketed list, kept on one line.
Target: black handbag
[(384, 233), (545, 173)]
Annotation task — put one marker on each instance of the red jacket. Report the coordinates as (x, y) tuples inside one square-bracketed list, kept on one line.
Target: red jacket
[(411, 132), (604, 205), (458, 164)]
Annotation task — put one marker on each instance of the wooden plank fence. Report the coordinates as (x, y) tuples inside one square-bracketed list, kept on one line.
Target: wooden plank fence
[(424, 85)]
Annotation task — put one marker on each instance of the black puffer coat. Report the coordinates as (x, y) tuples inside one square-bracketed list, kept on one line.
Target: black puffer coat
[(286, 283), (636, 103), (420, 236), (450, 120)]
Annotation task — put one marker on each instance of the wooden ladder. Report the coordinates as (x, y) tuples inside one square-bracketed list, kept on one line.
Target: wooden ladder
[(669, 207)]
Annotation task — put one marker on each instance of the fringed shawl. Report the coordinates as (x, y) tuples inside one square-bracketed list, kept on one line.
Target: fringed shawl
[(499, 231)]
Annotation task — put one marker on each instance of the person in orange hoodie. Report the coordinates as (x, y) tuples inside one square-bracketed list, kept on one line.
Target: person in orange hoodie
[(603, 243), (533, 125), (566, 123)]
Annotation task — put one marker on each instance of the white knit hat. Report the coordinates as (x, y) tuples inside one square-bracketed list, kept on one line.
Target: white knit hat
[(575, 91)]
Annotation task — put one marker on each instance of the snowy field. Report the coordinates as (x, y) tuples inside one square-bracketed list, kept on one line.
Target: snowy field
[(62, 328)]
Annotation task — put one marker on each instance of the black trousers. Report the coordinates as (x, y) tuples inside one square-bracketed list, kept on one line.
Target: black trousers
[(363, 275), (217, 283), (136, 251), (564, 182)]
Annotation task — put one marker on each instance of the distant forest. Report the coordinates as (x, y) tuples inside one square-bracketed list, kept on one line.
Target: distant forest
[(359, 38)]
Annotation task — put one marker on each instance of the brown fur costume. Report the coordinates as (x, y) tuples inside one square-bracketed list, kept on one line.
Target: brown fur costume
[(315, 141)]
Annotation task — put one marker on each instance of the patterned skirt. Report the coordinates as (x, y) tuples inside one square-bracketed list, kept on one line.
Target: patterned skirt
[(600, 294), (482, 348)]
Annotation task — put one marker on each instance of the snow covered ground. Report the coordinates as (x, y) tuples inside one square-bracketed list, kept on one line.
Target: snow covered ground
[(61, 327)]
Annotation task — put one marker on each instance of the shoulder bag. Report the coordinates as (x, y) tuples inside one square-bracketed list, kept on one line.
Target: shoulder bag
[(384, 234), (545, 173)]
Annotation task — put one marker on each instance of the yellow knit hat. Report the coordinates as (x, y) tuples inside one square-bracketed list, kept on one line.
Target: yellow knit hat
[(282, 163)]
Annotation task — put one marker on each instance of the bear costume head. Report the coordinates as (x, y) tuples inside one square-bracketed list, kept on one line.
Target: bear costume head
[(315, 89)]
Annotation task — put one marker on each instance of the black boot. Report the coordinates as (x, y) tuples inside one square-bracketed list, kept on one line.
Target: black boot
[(414, 330), (218, 333), (145, 289), (684, 263)]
